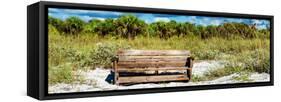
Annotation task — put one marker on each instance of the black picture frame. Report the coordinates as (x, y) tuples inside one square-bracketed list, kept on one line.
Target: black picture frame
[(37, 39)]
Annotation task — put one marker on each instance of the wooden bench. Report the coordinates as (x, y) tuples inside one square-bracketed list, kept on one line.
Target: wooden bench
[(142, 66)]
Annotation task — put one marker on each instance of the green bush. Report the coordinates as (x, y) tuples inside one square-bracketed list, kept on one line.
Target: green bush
[(59, 55), (54, 21), (104, 28), (105, 53), (63, 61), (52, 29), (91, 26), (73, 25)]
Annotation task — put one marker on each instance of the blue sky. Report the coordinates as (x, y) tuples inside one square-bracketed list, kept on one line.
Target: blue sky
[(87, 15)]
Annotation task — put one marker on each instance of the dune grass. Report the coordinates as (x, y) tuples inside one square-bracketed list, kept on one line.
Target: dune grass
[(88, 51)]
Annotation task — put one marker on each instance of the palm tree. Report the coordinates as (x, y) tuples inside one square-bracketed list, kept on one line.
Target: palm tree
[(54, 21), (105, 27), (171, 28), (91, 25), (129, 26), (211, 31), (160, 28), (182, 29), (73, 25)]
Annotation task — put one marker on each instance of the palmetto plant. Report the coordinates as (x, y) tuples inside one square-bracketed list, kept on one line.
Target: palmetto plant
[(181, 29), (160, 28), (54, 21), (92, 25), (129, 26), (73, 25), (105, 27)]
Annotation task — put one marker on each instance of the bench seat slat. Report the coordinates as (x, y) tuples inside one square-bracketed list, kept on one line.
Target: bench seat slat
[(153, 53), (152, 69), (151, 64), (152, 58), (140, 79)]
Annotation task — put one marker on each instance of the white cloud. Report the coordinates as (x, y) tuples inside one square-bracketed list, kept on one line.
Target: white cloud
[(204, 21), (86, 18), (164, 19), (216, 22), (146, 21), (77, 11), (255, 21), (71, 11), (53, 10), (99, 18), (191, 19)]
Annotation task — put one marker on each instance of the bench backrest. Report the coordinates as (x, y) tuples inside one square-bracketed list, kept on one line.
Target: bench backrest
[(152, 58)]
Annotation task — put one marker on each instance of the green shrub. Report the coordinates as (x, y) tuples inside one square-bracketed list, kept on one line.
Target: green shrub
[(60, 55), (52, 29), (54, 22), (104, 28), (72, 25), (91, 26), (105, 53)]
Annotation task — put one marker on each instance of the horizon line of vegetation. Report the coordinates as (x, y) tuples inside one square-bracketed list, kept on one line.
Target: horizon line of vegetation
[(130, 26)]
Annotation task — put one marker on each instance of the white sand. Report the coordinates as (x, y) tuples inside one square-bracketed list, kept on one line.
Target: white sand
[(95, 80)]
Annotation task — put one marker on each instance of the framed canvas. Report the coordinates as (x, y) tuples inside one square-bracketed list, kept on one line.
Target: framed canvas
[(87, 50)]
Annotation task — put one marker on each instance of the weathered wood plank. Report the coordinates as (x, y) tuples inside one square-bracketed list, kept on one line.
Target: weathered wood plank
[(153, 53), (152, 58), (151, 69), (140, 79), (151, 64)]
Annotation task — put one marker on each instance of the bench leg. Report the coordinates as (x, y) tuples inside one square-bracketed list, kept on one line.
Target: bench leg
[(189, 73), (190, 68), (116, 75)]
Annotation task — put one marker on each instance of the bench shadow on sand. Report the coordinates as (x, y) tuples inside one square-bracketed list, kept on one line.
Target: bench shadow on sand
[(110, 77)]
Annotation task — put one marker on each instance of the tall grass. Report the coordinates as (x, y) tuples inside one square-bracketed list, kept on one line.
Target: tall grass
[(87, 50), (240, 63)]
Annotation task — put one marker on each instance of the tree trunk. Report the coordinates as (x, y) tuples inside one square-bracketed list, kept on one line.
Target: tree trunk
[(129, 36)]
